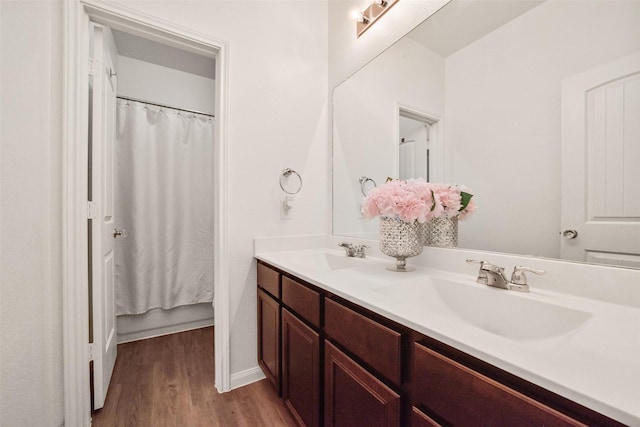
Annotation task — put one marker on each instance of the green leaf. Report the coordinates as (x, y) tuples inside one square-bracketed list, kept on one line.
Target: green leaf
[(465, 199)]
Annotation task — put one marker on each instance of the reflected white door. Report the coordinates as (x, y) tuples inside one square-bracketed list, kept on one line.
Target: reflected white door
[(420, 145), (102, 223), (601, 164)]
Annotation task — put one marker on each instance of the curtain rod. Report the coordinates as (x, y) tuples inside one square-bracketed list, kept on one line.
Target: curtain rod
[(164, 106)]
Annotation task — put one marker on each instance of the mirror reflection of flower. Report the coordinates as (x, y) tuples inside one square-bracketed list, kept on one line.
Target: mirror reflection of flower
[(418, 200)]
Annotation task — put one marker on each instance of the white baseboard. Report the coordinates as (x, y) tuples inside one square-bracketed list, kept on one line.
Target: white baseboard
[(158, 322), (246, 377), (158, 332)]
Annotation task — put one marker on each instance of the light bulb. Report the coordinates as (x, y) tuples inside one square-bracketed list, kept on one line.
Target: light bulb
[(357, 16)]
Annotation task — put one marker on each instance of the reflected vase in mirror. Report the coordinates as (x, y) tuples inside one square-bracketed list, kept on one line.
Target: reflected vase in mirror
[(401, 240), (441, 232)]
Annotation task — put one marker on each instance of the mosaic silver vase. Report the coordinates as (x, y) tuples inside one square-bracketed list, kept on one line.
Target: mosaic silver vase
[(400, 240), (424, 233), (442, 232)]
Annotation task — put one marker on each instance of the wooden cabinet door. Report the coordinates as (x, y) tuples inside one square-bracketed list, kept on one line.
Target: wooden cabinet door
[(269, 337), (300, 370), (354, 397)]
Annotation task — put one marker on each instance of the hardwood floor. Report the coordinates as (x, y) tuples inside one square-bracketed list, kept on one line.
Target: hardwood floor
[(168, 381)]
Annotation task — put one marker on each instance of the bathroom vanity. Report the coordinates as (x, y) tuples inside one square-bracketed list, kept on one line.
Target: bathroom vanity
[(343, 344), (378, 372)]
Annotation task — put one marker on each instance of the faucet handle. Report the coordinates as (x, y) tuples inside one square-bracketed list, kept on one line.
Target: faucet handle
[(348, 248), (487, 266), (360, 250), (518, 277), (482, 276)]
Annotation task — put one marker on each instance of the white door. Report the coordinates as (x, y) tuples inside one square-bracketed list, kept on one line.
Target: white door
[(601, 164), (102, 222)]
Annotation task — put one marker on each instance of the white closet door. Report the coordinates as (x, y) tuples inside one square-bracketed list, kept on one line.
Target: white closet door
[(600, 158), (103, 217)]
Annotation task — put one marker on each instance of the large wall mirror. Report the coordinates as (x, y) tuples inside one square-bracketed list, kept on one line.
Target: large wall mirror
[(533, 105)]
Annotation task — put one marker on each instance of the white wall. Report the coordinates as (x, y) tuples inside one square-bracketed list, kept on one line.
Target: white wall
[(155, 83), (365, 117), (277, 119), (30, 214), (517, 71)]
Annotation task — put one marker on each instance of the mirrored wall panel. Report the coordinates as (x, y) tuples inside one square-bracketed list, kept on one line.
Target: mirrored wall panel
[(533, 105)]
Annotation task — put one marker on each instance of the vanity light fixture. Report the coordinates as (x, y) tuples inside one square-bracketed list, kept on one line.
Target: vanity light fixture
[(358, 16), (365, 19)]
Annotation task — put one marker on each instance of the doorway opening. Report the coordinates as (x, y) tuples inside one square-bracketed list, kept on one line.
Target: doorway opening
[(420, 153), (79, 16), (151, 139)]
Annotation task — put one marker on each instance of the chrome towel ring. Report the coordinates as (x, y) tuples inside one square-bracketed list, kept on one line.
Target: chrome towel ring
[(363, 183), (286, 173)]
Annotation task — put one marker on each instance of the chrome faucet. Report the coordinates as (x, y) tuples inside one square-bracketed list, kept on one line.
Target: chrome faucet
[(352, 250), (492, 275)]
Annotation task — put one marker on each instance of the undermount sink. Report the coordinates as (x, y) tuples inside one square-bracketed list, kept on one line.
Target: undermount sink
[(325, 261), (514, 316)]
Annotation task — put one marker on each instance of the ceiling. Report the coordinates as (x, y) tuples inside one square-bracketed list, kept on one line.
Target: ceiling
[(461, 22)]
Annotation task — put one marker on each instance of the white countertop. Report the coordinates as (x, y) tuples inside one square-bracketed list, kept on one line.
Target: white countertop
[(595, 363)]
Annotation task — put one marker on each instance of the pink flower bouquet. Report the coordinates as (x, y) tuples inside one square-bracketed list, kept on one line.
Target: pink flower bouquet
[(456, 200), (417, 200)]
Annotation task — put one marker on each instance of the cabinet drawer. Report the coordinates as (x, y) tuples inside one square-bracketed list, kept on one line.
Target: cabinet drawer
[(420, 419), (302, 300), (375, 344), (269, 280), (462, 396)]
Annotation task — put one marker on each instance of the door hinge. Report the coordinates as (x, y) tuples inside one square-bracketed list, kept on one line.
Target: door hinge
[(91, 345), (92, 210), (94, 67)]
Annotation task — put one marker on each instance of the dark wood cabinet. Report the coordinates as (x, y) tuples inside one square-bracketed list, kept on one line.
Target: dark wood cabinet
[(269, 280), (461, 396), (338, 364), (269, 337), (353, 396), (301, 370), (376, 344), (303, 301), (420, 419)]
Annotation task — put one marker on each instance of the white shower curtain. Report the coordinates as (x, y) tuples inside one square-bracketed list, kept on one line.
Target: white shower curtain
[(164, 199)]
